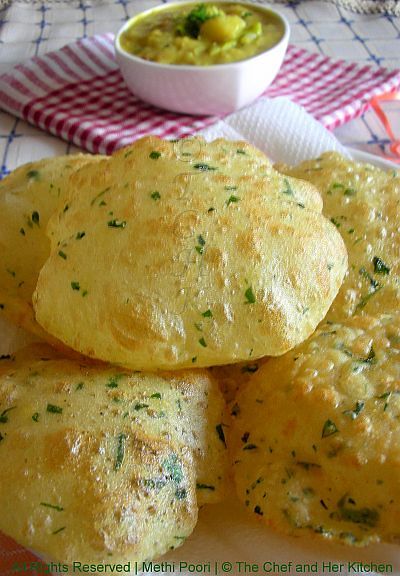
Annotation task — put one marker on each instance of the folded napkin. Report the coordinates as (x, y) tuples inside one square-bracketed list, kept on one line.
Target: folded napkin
[(77, 93)]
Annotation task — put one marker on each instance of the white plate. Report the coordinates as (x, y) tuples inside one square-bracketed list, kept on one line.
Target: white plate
[(361, 156), (225, 533)]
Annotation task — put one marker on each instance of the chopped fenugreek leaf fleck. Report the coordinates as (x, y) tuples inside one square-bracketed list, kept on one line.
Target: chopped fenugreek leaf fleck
[(367, 516), (62, 254), (99, 195), (249, 295), (53, 506), (200, 247), (156, 395), (204, 167), (207, 314), (240, 151), (154, 155), (75, 285), (35, 217), (205, 487), (116, 223), (365, 274), (221, 434), (113, 381), (52, 408), (354, 413), (203, 343), (180, 493), (33, 174), (141, 406), (3, 415), (79, 386), (59, 530), (365, 299), (173, 468), (232, 199), (155, 195), (371, 358), (80, 235), (308, 465), (379, 266), (22, 231), (35, 417), (329, 429), (288, 189), (120, 452)]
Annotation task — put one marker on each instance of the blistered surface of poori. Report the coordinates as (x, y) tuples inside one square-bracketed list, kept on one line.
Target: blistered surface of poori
[(183, 254), (98, 463), (28, 197), (316, 441), (363, 202)]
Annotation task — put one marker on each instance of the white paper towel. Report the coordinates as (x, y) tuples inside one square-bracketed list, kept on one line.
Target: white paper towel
[(284, 131), (225, 532)]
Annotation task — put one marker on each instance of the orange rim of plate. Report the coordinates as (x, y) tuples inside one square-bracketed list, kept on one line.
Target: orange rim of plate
[(394, 145)]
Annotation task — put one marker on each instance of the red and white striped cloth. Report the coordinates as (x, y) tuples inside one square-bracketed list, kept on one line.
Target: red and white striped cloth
[(77, 93)]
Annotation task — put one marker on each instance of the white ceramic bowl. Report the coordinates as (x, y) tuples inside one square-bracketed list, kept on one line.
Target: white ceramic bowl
[(216, 89)]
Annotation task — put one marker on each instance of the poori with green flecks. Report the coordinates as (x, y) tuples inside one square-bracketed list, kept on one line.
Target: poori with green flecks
[(28, 197), (191, 257), (363, 202), (97, 463), (316, 438)]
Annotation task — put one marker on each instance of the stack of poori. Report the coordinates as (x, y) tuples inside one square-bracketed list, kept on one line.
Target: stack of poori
[(143, 270)]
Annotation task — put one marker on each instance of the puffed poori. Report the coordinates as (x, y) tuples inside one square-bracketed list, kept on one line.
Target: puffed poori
[(187, 254), (363, 202), (316, 436), (28, 197), (99, 465)]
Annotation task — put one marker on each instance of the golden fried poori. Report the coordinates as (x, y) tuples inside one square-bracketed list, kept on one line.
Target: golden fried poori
[(363, 202), (174, 255), (316, 436), (28, 197), (97, 463)]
